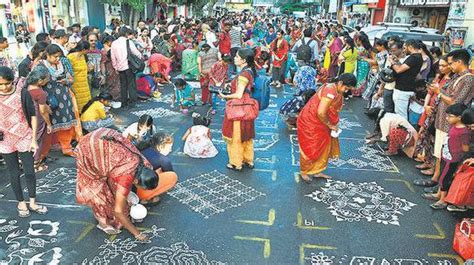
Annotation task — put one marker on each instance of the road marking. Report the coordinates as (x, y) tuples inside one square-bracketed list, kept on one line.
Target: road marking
[(269, 222), (87, 229), (266, 243), (440, 236), (274, 172), (449, 256), (300, 225), (407, 183), (55, 205), (310, 246)]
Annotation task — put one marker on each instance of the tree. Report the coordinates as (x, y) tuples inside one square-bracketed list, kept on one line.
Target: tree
[(131, 9)]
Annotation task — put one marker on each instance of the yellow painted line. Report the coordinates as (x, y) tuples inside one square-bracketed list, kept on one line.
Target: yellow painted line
[(300, 225), (297, 177), (274, 172), (407, 183), (309, 246), (153, 213), (87, 229), (269, 222), (440, 236), (266, 243), (449, 256)]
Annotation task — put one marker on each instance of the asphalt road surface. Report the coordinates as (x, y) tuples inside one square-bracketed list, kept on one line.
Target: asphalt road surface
[(368, 214)]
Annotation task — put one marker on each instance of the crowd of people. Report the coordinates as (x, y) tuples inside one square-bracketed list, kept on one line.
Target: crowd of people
[(62, 91)]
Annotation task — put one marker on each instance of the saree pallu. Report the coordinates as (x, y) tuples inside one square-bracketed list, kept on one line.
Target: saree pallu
[(314, 137), (189, 67), (105, 168), (327, 59), (363, 69)]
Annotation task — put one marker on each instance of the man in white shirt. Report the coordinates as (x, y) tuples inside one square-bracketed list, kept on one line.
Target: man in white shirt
[(119, 56)]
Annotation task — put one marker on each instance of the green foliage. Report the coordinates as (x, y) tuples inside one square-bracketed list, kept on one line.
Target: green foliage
[(138, 5)]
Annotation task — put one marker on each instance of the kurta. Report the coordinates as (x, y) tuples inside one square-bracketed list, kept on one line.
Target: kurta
[(314, 137), (281, 51), (247, 128), (103, 169), (81, 84), (189, 68)]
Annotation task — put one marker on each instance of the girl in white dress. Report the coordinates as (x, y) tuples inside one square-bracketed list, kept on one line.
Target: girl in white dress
[(198, 139)]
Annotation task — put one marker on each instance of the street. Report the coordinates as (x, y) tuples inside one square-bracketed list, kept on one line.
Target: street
[(369, 213)]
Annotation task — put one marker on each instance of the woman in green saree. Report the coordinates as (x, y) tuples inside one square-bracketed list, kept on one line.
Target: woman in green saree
[(189, 68)]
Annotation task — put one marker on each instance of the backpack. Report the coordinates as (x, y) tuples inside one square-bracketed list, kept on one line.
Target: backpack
[(304, 52), (261, 90)]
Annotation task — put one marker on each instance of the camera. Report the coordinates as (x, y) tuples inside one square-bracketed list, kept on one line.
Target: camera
[(61, 76), (1, 136), (224, 90)]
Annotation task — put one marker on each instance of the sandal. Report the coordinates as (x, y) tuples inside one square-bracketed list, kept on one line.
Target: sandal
[(23, 213), (428, 172), (423, 166), (153, 202), (425, 182), (232, 167), (40, 167), (248, 165), (430, 196), (40, 209), (109, 230), (439, 205)]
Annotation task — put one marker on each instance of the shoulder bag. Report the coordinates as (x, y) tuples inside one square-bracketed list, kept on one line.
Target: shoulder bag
[(243, 109), (134, 63)]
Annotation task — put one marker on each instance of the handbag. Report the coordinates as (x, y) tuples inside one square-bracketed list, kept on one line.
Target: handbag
[(463, 242), (244, 109), (134, 63), (52, 102), (461, 191)]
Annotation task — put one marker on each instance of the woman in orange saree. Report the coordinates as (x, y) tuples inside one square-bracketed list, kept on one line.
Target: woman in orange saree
[(317, 119)]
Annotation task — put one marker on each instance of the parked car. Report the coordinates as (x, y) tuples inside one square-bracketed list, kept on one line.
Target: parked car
[(430, 39), (373, 31)]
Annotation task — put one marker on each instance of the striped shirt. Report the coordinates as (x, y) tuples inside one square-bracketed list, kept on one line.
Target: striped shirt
[(235, 37)]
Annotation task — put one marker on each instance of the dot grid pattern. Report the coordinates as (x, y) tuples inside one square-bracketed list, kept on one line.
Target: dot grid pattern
[(155, 112), (213, 193)]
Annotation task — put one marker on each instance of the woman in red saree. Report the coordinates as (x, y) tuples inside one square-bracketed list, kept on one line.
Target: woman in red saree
[(108, 164), (317, 119)]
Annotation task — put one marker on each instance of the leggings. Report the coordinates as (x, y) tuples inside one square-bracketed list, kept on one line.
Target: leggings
[(15, 173)]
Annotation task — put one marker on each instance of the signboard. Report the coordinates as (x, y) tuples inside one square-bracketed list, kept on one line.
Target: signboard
[(457, 37), (332, 6), (360, 8), (424, 2)]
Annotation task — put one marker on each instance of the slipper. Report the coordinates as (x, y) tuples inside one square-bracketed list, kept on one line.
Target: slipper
[(232, 167), (40, 209), (439, 205), (109, 230), (248, 165), (423, 166), (40, 167), (23, 213), (428, 172), (425, 182), (153, 202), (430, 196)]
